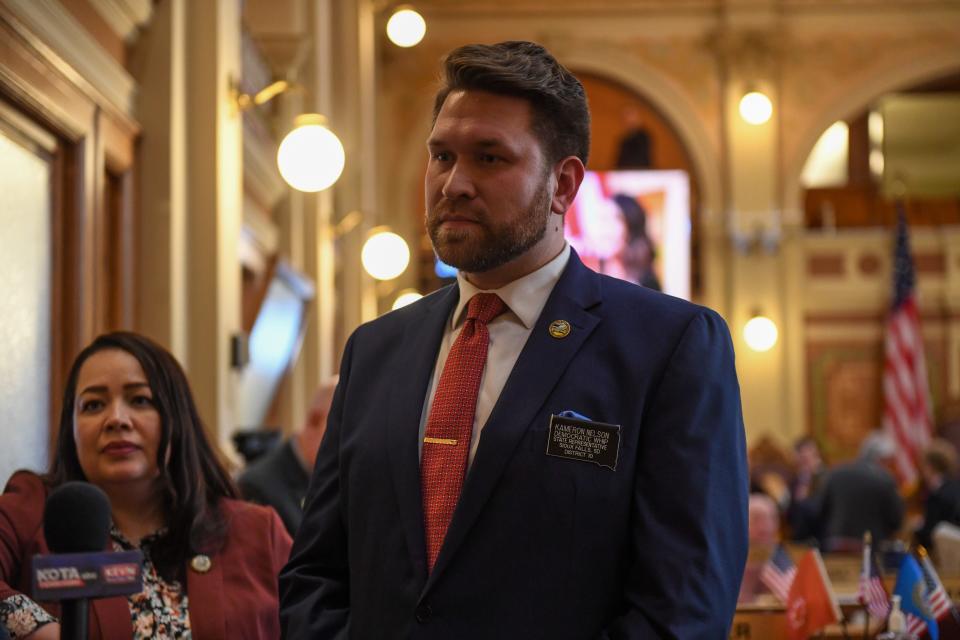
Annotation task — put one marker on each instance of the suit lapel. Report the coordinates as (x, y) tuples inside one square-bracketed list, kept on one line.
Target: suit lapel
[(421, 341), (205, 593), (541, 363)]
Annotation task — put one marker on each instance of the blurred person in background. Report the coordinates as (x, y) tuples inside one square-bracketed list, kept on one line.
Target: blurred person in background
[(764, 534), (804, 508), (938, 468), (770, 470), (764, 525), (129, 425), (861, 496), (636, 146), (279, 478)]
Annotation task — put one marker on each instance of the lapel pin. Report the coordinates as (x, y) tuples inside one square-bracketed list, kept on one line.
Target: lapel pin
[(201, 563), (559, 328)]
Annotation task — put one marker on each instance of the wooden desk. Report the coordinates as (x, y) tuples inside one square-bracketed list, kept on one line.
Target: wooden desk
[(759, 622), (768, 621), (771, 624), (765, 619)]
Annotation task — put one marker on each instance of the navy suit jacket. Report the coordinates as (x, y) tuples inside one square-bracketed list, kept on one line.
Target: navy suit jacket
[(539, 546)]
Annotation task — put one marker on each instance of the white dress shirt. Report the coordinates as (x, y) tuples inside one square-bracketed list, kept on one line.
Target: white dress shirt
[(525, 298)]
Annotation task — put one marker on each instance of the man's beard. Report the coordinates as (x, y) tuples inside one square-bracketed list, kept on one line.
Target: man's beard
[(489, 245)]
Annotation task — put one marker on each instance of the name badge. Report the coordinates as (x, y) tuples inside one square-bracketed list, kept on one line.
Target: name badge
[(584, 440)]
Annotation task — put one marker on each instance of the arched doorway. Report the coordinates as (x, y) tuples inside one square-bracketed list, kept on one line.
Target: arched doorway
[(898, 143)]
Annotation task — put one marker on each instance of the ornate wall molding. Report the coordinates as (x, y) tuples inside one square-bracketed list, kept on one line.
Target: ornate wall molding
[(125, 17), (60, 31), (861, 86)]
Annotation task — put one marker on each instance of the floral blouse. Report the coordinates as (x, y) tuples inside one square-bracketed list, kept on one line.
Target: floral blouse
[(160, 611)]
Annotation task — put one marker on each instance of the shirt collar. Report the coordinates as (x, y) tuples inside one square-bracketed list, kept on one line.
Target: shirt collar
[(524, 296)]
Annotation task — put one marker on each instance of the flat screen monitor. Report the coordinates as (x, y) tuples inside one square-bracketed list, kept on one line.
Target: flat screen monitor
[(635, 225), (274, 344)]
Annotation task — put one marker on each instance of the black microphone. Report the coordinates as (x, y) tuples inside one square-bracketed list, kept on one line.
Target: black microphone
[(76, 519), (76, 524)]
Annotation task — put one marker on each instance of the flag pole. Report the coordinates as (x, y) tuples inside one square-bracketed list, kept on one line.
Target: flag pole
[(867, 550)]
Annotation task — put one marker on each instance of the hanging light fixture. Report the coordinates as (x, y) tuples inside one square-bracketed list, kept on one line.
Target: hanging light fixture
[(406, 27), (310, 157), (755, 108), (385, 255), (760, 333)]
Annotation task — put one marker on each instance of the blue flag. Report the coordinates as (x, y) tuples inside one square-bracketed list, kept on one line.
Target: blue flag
[(915, 598)]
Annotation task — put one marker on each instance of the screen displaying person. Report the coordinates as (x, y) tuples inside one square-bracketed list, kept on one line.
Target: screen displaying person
[(537, 451), (608, 230)]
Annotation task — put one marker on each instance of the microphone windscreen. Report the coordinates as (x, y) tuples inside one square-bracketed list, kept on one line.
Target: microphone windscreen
[(76, 518)]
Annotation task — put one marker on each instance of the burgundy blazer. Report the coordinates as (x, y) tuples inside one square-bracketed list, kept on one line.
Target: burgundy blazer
[(236, 598)]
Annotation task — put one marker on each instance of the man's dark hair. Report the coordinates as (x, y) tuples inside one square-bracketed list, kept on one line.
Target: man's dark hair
[(193, 479), (941, 456), (561, 118)]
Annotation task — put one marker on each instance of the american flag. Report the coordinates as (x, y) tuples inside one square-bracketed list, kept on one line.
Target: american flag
[(916, 627), (906, 400), (937, 598), (778, 573), (872, 592)]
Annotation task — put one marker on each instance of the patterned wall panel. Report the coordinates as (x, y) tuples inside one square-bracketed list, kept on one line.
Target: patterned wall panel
[(844, 398)]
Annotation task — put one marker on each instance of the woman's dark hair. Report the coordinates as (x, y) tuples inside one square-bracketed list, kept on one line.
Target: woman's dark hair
[(193, 478), (634, 215), (561, 117)]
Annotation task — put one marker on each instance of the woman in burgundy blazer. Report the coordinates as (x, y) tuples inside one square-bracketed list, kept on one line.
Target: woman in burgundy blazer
[(235, 598), (129, 426)]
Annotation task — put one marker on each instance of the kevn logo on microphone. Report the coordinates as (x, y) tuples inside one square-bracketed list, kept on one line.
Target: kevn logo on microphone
[(125, 573)]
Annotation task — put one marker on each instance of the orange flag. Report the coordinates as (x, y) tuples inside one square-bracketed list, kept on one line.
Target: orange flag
[(811, 603)]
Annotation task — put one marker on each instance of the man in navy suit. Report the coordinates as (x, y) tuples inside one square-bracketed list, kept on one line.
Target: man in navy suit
[(604, 486)]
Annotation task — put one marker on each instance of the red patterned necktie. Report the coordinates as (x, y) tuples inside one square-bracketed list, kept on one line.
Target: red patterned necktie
[(446, 442)]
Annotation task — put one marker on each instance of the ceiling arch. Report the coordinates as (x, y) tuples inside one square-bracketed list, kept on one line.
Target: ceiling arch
[(861, 91), (675, 106)]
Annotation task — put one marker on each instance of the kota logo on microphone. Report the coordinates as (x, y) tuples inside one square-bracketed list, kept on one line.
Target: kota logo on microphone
[(60, 577)]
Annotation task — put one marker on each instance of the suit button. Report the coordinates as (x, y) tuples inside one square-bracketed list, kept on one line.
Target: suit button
[(423, 613)]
